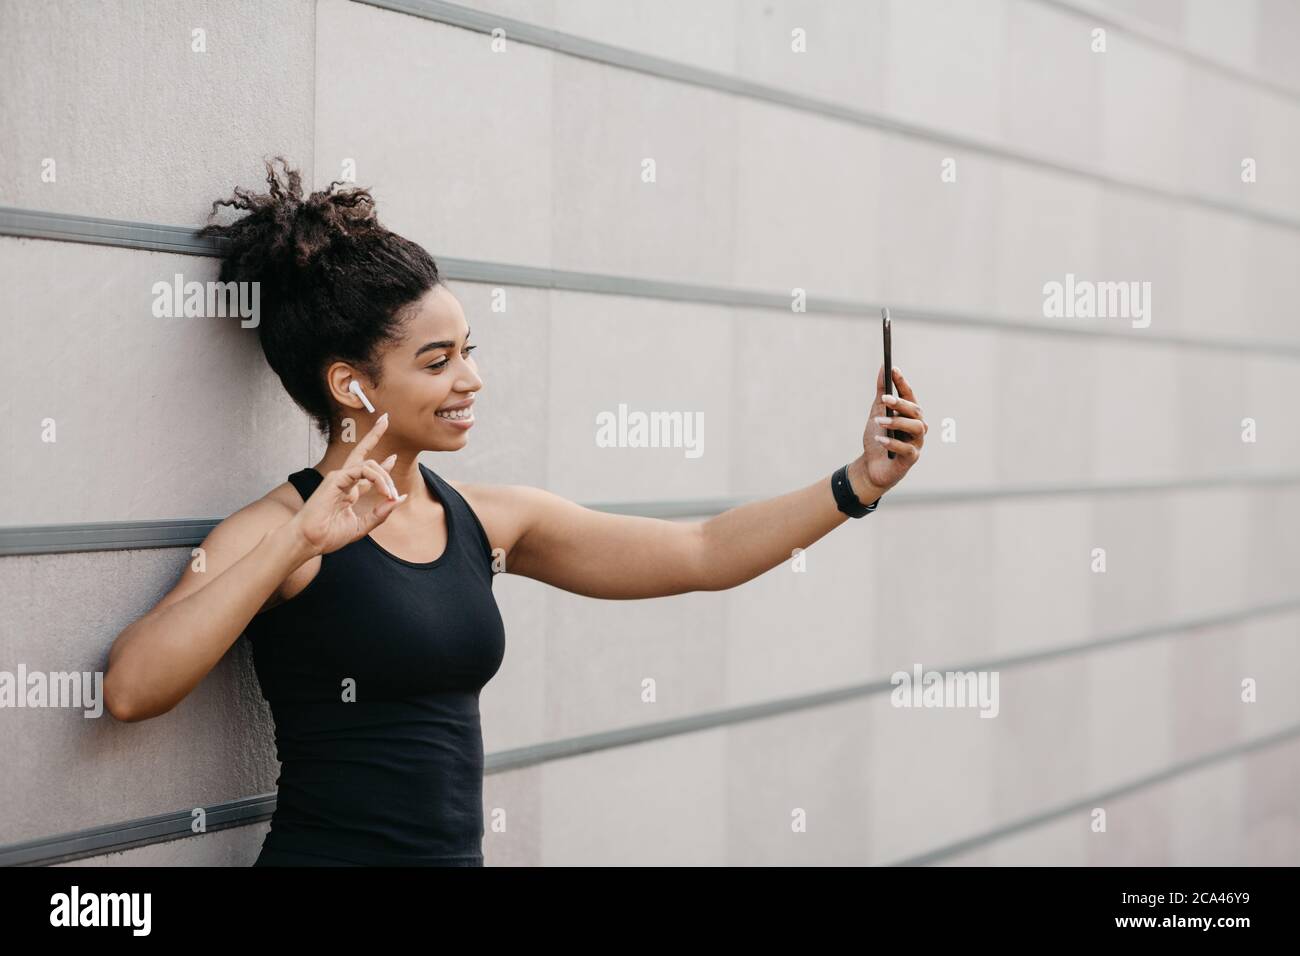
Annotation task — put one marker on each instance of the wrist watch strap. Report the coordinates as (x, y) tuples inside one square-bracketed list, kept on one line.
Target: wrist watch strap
[(845, 498)]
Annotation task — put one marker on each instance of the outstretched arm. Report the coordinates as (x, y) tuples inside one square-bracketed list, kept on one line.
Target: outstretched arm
[(597, 554)]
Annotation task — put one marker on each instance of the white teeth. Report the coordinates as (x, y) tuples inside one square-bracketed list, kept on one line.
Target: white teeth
[(459, 413)]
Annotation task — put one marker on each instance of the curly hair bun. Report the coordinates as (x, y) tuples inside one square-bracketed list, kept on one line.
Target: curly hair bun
[(335, 285), (282, 230)]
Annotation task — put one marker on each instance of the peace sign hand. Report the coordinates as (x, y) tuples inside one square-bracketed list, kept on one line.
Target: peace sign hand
[(327, 520)]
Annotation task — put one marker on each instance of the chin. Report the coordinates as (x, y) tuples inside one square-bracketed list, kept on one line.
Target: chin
[(443, 443)]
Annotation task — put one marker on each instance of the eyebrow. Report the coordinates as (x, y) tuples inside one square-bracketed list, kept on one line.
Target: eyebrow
[(444, 344)]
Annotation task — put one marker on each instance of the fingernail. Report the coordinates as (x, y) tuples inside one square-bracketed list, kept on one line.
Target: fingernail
[(881, 420), (383, 417), (401, 499), (889, 399), (390, 459), (882, 439)]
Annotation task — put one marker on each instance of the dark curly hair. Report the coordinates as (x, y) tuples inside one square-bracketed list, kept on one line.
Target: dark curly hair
[(335, 284)]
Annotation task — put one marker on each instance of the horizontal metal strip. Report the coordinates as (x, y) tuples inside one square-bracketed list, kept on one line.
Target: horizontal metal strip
[(609, 55), (117, 837), (188, 532), (26, 223), (251, 810), (104, 536), (1159, 38), (66, 227), (1114, 793)]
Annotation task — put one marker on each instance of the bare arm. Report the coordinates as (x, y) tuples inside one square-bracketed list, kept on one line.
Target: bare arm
[(622, 557), (743, 542), (594, 553), (160, 658), (603, 555)]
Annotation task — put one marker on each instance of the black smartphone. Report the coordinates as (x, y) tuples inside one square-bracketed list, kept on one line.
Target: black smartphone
[(889, 378)]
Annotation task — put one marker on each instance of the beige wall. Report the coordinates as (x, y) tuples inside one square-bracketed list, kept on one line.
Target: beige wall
[(1114, 166)]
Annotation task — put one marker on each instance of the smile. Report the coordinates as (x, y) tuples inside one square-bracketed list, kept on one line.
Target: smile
[(461, 417)]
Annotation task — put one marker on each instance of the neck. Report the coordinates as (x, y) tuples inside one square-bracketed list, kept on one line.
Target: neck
[(405, 472)]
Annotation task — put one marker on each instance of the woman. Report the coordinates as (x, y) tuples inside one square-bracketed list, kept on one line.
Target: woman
[(364, 583)]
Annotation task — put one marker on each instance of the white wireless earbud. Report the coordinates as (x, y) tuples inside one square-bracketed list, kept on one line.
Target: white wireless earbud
[(355, 388)]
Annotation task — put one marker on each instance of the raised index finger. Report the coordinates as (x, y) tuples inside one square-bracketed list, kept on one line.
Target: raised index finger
[(371, 439)]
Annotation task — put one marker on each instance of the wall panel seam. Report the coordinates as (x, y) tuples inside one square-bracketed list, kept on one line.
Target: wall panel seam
[(71, 537), (63, 227)]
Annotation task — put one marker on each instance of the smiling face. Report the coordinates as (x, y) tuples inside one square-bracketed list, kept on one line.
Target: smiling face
[(425, 373)]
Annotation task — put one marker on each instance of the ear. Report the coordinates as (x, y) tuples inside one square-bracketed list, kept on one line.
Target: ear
[(338, 378)]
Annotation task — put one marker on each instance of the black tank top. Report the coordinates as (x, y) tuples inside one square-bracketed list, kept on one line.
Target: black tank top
[(372, 673)]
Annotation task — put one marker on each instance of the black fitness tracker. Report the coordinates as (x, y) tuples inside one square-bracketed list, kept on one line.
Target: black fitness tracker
[(845, 498)]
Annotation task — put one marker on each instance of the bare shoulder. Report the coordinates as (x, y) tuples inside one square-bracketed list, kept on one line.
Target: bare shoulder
[(266, 513), (285, 495), (503, 510), (522, 519), (587, 551)]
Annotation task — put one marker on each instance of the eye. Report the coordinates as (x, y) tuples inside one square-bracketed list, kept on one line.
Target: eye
[(437, 366)]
